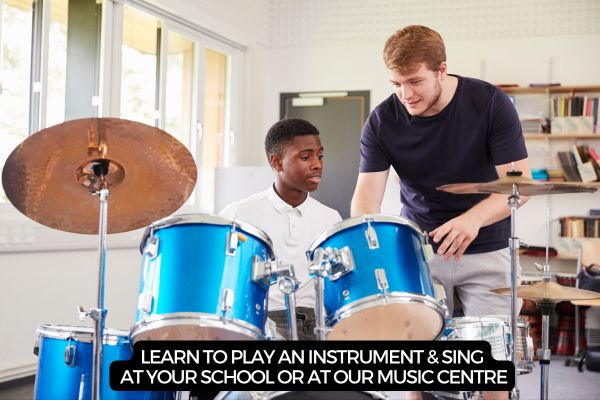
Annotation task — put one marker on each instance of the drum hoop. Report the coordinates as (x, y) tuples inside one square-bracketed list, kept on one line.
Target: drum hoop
[(195, 319), (393, 298), (354, 221), (83, 334), (185, 219), (484, 320)]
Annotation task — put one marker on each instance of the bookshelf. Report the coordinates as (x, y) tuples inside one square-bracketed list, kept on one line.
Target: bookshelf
[(562, 136), (538, 105)]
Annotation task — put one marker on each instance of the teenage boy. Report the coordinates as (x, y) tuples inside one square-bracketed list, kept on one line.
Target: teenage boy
[(288, 215)]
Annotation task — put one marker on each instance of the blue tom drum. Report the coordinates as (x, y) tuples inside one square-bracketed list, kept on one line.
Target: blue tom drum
[(65, 360), (197, 280), (385, 292)]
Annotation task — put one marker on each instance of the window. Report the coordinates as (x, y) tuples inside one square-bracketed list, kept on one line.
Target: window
[(15, 68), (179, 88), (57, 62), (139, 60)]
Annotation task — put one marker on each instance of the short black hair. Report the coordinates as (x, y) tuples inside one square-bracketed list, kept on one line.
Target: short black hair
[(283, 132)]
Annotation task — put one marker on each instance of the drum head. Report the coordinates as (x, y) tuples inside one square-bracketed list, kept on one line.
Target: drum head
[(396, 321)]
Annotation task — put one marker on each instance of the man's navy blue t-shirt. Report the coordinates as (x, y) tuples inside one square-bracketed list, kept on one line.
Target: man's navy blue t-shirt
[(476, 131)]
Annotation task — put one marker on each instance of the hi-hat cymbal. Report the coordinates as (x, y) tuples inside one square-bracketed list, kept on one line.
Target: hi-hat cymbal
[(549, 291), (50, 177), (526, 187)]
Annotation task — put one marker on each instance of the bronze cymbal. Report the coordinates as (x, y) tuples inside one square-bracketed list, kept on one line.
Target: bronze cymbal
[(50, 177), (549, 291), (526, 187)]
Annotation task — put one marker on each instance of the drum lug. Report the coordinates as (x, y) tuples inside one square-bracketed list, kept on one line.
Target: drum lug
[(428, 252), (232, 243), (70, 351), (145, 302), (227, 298), (371, 235), (382, 282), (151, 246)]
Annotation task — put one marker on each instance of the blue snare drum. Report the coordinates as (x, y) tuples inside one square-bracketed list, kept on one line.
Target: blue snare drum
[(65, 360), (197, 280), (388, 295)]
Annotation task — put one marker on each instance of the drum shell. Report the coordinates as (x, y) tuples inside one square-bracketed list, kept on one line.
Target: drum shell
[(57, 380), (191, 268)]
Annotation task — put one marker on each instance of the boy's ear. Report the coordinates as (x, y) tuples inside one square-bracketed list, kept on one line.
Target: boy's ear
[(275, 161)]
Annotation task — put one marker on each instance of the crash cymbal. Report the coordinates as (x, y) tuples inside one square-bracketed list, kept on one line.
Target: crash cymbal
[(51, 176), (526, 187), (591, 303), (549, 291)]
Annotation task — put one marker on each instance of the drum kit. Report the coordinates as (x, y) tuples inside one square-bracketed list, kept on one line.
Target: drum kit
[(370, 272)]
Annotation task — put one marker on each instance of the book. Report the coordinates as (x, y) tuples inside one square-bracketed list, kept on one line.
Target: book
[(569, 166), (587, 172)]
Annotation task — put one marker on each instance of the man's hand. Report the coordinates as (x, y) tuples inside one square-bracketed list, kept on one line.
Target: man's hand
[(458, 233)]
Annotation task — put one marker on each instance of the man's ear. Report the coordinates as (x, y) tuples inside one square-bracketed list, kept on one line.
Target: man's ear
[(275, 161)]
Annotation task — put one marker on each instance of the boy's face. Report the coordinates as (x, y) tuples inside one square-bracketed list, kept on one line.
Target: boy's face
[(300, 165)]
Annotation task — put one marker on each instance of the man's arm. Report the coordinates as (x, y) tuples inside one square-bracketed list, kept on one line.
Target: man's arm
[(368, 194), (459, 232)]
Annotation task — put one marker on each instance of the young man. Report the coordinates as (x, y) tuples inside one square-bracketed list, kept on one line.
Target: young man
[(437, 129), (287, 213)]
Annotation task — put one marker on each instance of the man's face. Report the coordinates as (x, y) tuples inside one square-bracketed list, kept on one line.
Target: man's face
[(300, 165), (419, 91)]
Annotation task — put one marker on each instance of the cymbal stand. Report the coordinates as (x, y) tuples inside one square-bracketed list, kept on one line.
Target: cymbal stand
[(546, 307), (319, 269), (97, 180), (513, 244), (288, 286), (268, 272)]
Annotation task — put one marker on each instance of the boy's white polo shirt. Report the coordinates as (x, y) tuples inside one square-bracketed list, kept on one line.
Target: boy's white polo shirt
[(292, 230)]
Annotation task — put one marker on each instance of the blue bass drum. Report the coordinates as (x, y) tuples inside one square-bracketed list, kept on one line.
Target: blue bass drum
[(65, 360), (388, 293), (197, 280)]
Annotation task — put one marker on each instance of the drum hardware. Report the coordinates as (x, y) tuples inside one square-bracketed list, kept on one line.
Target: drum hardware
[(318, 270), (70, 352), (371, 235), (268, 272), (288, 286), (516, 185), (102, 154), (227, 298), (382, 282)]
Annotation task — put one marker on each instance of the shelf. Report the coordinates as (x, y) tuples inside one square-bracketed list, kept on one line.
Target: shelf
[(550, 90), (561, 136)]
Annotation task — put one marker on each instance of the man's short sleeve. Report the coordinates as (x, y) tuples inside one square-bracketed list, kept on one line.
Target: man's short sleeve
[(372, 156), (506, 137)]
